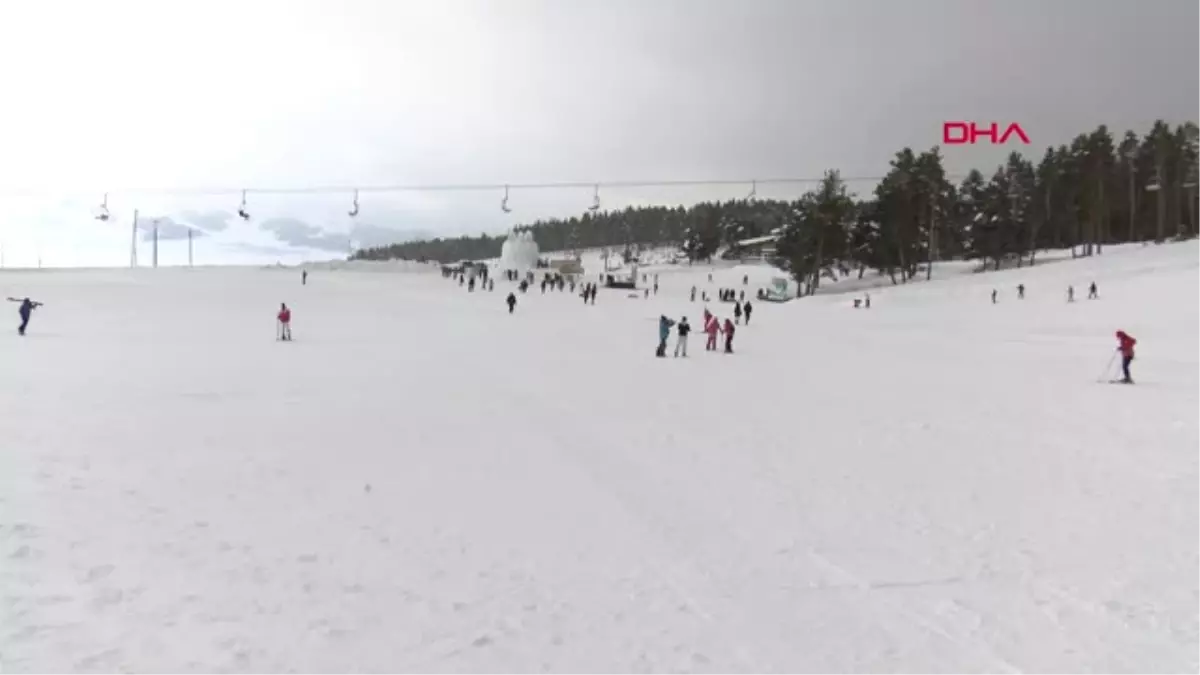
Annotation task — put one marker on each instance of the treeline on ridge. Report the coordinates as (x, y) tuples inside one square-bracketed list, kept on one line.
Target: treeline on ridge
[(1083, 195)]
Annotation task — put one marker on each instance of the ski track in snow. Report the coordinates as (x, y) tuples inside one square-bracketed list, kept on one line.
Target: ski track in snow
[(422, 482)]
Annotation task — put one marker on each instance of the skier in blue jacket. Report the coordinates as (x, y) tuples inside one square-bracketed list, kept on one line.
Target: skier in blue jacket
[(664, 332)]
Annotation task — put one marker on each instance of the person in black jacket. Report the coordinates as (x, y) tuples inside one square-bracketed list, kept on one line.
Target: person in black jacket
[(512, 302), (746, 310), (681, 344), (25, 311)]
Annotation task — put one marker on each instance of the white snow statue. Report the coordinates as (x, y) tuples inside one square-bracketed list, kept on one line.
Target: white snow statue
[(519, 252)]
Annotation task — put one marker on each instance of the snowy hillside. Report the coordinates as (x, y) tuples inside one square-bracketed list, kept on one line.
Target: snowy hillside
[(422, 481)]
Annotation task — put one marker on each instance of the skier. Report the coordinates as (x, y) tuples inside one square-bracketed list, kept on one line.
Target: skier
[(285, 322), (656, 285), (728, 330), (746, 310), (512, 302), (745, 279), (1020, 291), (303, 277), (993, 296), (593, 294), (24, 311), (1070, 294), (681, 343), (491, 284), (471, 285), (742, 295), (664, 332), (543, 286), (866, 304), (693, 294), (737, 312), (712, 326), (1125, 346), (1092, 294)]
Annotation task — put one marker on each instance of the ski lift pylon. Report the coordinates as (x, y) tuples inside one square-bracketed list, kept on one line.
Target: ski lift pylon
[(242, 209), (354, 209), (504, 202), (595, 200), (753, 191)]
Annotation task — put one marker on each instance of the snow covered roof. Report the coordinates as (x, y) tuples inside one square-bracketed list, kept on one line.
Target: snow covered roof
[(754, 241)]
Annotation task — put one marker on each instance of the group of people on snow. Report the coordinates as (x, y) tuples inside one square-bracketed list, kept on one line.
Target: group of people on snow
[(1093, 294), (712, 328)]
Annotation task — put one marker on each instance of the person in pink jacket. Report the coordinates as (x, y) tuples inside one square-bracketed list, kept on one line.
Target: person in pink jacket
[(712, 326)]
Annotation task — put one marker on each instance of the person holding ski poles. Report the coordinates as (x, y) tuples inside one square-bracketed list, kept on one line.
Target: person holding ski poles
[(25, 311), (1125, 343)]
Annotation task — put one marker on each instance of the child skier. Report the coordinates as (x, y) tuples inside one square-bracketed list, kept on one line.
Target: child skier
[(681, 343), (1125, 343), (25, 311), (728, 336), (664, 332), (285, 322), (712, 326)]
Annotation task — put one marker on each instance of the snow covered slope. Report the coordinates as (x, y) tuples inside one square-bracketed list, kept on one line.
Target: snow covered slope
[(423, 482)]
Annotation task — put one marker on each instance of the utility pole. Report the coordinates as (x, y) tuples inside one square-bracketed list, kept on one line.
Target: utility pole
[(1190, 185), (133, 242), (929, 253), (1131, 158), (1157, 186)]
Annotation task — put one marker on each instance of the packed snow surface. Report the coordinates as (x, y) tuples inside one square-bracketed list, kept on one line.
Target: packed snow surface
[(422, 481)]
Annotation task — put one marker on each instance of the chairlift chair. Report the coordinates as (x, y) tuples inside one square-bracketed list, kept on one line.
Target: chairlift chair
[(102, 213)]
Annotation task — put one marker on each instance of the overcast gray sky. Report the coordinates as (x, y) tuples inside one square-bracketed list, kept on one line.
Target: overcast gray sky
[(101, 97)]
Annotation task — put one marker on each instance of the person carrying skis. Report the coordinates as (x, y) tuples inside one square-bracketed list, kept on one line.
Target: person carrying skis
[(25, 311), (1125, 343), (512, 302), (285, 322), (728, 336), (664, 332), (681, 343), (712, 326), (746, 310)]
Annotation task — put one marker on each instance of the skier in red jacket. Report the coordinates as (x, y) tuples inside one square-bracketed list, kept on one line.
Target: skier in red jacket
[(285, 322), (1125, 346), (712, 326)]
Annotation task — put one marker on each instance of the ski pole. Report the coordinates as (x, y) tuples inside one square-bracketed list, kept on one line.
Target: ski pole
[(1107, 367)]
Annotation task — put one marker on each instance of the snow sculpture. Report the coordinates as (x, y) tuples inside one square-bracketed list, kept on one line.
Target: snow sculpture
[(519, 252)]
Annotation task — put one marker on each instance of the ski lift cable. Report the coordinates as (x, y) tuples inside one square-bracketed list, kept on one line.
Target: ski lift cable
[(467, 187)]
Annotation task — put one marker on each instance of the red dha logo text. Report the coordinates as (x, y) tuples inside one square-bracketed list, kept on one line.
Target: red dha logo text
[(959, 133)]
